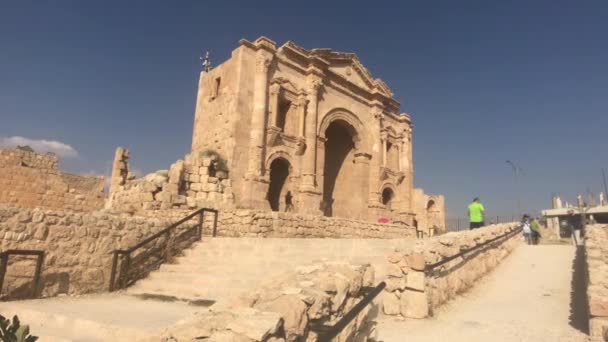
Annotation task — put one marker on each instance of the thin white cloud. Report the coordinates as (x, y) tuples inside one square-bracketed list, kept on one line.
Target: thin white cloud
[(40, 145)]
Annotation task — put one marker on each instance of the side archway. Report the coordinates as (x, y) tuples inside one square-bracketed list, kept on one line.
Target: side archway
[(388, 193), (279, 183)]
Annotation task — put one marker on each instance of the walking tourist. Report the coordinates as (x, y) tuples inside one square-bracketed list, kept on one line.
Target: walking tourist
[(476, 213), (527, 229), (288, 202)]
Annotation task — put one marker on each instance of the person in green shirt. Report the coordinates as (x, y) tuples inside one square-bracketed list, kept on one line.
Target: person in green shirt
[(476, 213)]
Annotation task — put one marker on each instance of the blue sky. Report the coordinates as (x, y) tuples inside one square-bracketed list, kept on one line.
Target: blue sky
[(485, 81)]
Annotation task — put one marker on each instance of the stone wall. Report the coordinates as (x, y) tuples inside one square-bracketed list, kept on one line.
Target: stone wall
[(597, 282), (414, 291), (30, 180), (260, 223), (286, 308), (196, 181), (78, 247)]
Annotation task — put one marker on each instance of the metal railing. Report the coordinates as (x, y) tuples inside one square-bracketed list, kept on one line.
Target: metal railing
[(138, 261), (463, 252), (4, 256), (459, 224), (327, 333)]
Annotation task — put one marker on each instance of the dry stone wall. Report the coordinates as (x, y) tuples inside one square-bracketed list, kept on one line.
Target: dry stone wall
[(260, 223), (414, 291), (30, 180), (597, 286), (286, 308), (78, 247)]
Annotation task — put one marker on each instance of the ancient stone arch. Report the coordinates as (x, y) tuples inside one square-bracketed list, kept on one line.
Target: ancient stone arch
[(280, 183), (355, 126), (279, 153), (388, 192)]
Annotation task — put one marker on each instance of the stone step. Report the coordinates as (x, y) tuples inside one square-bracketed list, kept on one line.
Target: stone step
[(218, 269)]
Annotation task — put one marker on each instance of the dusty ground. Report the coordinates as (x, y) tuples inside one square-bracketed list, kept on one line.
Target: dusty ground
[(107, 317), (527, 298)]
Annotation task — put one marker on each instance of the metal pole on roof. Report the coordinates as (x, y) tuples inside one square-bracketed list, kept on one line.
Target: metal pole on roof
[(516, 172), (605, 187)]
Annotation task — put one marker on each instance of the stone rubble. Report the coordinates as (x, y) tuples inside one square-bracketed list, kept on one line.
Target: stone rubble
[(285, 308)]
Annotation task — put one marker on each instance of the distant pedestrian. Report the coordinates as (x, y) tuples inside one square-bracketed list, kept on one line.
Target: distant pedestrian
[(476, 214), (288, 202), (527, 229)]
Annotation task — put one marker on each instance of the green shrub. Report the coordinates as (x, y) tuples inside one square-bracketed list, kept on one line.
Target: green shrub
[(14, 331)]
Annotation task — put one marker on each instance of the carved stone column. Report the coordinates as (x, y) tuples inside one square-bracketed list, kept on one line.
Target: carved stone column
[(384, 138), (302, 114), (310, 193), (377, 156), (404, 153), (399, 157), (361, 163), (273, 99), (309, 182), (258, 116), (301, 143)]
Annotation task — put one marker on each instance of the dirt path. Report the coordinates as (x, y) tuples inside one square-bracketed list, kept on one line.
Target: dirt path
[(527, 298)]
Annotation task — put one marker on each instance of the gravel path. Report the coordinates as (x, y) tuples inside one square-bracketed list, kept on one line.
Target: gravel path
[(527, 298)]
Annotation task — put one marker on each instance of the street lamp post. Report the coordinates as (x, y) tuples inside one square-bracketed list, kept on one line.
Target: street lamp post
[(516, 172)]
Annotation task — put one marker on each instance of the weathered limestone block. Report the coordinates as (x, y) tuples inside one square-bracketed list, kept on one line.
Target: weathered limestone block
[(416, 281), (254, 324), (294, 313), (390, 303), (414, 304)]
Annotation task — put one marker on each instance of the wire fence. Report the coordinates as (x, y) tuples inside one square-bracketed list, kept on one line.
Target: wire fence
[(458, 224)]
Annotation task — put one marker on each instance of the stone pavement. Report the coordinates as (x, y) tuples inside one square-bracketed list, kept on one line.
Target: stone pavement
[(527, 298)]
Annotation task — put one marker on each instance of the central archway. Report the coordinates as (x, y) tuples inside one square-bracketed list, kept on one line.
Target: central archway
[(339, 170)]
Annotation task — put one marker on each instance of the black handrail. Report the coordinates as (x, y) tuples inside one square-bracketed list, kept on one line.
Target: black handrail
[(327, 333), (462, 252), (4, 256), (122, 276)]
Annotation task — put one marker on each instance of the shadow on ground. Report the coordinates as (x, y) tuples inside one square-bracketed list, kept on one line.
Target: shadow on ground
[(579, 304)]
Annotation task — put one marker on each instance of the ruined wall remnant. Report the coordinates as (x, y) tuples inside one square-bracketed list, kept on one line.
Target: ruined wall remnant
[(199, 180), (120, 169), (29, 179)]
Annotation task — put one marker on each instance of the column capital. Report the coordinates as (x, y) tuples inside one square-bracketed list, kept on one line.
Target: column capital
[(302, 99), (262, 62), (383, 135), (314, 85), (275, 88)]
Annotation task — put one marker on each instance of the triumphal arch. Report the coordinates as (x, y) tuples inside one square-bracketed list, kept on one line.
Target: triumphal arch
[(307, 131)]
